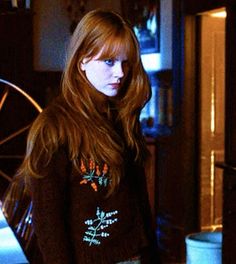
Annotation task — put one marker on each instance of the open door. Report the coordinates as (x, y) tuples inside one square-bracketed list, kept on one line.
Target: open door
[(229, 164), (226, 160), (219, 148), (211, 117)]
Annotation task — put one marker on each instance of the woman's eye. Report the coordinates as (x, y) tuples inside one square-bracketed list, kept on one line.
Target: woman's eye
[(109, 62)]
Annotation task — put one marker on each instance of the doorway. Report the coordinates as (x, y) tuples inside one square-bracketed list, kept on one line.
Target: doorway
[(211, 118)]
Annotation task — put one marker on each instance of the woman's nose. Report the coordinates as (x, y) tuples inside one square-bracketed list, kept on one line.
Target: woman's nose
[(118, 70)]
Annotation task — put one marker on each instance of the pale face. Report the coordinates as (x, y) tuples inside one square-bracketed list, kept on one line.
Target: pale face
[(107, 75)]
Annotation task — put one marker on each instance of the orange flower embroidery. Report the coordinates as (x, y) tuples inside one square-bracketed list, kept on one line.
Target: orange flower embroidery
[(93, 175)]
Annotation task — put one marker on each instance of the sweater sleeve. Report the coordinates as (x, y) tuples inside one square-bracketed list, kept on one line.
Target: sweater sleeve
[(149, 222), (49, 210)]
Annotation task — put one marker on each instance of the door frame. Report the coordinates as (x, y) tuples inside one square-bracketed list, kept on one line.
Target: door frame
[(190, 72)]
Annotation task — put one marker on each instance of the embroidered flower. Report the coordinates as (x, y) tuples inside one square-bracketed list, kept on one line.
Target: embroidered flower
[(94, 175), (96, 226)]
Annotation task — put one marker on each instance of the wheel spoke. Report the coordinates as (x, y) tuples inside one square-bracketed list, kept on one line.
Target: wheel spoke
[(4, 97), (15, 134), (5, 176)]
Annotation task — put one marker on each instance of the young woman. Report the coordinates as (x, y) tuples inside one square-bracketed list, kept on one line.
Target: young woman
[(85, 153)]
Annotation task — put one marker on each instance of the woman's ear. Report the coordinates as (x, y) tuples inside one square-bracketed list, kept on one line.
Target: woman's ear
[(82, 64)]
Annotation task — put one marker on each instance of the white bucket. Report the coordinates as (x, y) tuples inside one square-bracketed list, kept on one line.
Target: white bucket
[(204, 248)]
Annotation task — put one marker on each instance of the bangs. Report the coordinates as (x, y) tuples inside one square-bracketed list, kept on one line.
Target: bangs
[(119, 45)]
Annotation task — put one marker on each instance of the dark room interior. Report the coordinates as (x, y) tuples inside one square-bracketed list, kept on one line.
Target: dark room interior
[(190, 58)]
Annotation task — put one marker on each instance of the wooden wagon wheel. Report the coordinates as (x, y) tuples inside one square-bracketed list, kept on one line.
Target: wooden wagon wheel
[(17, 111)]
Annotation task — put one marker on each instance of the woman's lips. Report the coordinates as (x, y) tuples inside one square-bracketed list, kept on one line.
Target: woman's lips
[(115, 85)]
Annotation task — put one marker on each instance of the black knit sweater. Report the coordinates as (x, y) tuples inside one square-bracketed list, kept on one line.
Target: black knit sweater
[(75, 223)]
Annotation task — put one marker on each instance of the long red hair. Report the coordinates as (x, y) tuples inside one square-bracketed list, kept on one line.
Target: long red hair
[(75, 118)]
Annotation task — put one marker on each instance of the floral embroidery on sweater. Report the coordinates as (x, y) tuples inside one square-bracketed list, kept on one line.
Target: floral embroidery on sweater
[(96, 226), (94, 175)]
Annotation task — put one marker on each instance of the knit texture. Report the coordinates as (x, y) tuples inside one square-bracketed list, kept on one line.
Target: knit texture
[(76, 223)]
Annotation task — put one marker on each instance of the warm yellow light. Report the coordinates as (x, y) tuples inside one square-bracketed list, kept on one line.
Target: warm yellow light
[(212, 105), (219, 14)]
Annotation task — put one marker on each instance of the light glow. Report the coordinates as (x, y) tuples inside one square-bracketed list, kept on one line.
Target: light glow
[(220, 14), (217, 13), (151, 61), (10, 249)]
